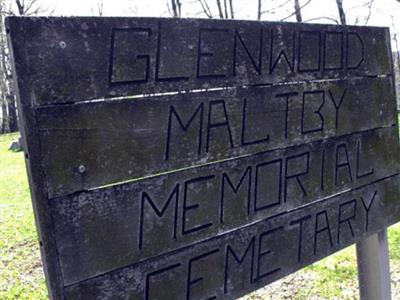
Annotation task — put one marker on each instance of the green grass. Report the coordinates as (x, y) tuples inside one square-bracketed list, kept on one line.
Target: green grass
[(335, 273), (21, 275)]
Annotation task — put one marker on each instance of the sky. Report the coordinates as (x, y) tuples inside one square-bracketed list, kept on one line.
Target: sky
[(384, 12)]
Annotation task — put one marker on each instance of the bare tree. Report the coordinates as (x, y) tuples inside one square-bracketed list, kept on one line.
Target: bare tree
[(100, 8), (28, 8), (342, 15), (231, 9), (131, 8), (323, 18), (179, 4), (206, 9), (259, 10), (297, 11), (274, 9), (176, 8), (369, 5), (396, 44), (8, 100), (359, 17), (4, 73), (221, 14), (226, 9)]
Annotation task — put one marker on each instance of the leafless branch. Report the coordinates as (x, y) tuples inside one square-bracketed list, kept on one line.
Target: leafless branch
[(169, 9), (20, 7), (28, 8), (323, 18), (296, 10), (100, 6), (226, 10), (273, 10), (206, 8), (174, 9), (396, 43), (342, 15), (371, 2), (357, 6), (231, 8), (179, 4), (221, 15)]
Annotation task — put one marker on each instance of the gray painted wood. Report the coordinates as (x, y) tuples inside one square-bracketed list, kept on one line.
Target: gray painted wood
[(31, 145), (92, 58), (123, 140), (259, 205), (274, 247), (152, 216)]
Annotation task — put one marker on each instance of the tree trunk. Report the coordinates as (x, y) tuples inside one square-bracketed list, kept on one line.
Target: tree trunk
[(297, 10), (4, 116), (174, 9), (342, 15), (226, 9), (5, 124), (396, 59), (206, 8), (231, 6), (179, 4), (12, 114), (21, 7), (259, 10), (221, 14)]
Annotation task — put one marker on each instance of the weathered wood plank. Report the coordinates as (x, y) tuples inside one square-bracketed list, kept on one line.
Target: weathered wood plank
[(102, 230), (252, 256), (309, 166), (94, 144), (91, 58), (31, 145)]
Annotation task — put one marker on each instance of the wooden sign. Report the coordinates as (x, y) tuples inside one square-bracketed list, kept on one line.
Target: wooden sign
[(201, 159)]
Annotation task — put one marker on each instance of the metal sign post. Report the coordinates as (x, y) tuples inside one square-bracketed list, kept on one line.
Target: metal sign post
[(373, 267)]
